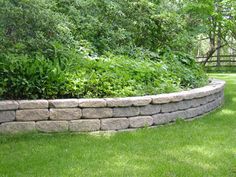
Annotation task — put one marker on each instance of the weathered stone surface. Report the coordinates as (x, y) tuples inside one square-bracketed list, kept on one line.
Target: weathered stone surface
[(218, 85), (129, 101), (169, 107), (217, 103), (179, 114), (168, 117), (65, 114), (182, 105), (118, 102), (92, 103), (186, 104), (167, 98), (212, 105), (64, 103), (140, 121), (141, 101), (221, 100), (114, 123), (193, 112), (52, 126), (203, 91), (95, 113), (150, 109), (32, 114), (202, 101), (33, 104), (125, 112), (190, 94), (84, 125), (17, 127), (209, 98), (7, 116), (199, 92), (221, 93), (8, 105), (161, 118)]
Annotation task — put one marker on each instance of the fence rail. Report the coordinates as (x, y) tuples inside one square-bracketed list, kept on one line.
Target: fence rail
[(226, 56), (224, 61)]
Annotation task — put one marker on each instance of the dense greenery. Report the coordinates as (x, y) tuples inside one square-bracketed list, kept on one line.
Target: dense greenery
[(93, 48), (203, 147), (39, 77)]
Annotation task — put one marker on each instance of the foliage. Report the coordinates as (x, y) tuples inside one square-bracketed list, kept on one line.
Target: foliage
[(93, 48), (27, 77), (213, 21), (32, 27)]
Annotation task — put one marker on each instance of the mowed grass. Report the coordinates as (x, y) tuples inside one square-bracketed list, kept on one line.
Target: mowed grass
[(202, 147)]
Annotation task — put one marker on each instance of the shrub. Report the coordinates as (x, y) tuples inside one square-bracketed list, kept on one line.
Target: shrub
[(91, 48), (108, 76)]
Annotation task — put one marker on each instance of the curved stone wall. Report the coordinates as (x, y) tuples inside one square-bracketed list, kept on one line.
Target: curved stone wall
[(86, 115)]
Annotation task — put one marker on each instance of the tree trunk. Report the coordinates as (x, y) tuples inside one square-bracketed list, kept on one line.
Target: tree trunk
[(211, 52), (218, 45)]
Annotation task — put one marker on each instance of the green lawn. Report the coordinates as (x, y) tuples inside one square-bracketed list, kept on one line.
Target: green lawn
[(203, 147)]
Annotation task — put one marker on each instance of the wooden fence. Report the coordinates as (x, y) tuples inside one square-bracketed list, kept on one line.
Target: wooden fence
[(224, 61)]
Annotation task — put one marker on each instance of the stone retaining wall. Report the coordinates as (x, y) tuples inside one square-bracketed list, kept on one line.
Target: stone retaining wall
[(86, 115)]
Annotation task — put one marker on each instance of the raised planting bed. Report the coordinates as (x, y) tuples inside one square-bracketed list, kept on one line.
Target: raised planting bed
[(87, 115)]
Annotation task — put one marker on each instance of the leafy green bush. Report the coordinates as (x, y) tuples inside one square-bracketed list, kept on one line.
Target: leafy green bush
[(92, 48), (118, 26), (108, 76)]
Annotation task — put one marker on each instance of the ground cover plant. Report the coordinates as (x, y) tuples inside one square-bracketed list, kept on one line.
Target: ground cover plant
[(202, 147), (93, 48)]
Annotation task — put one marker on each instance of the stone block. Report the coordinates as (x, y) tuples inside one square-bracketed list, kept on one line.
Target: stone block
[(182, 105), (33, 104), (212, 105), (141, 101), (95, 113), (167, 98), (7, 116), (189, 95), (84, 125), (114, 123), (168, 117), (201, 101), (32, 114), (150, 109), (210, 98), (119, 102), (169, 107), (194, 112), (17, 127), (129, 101), (8, 105), (65, 114), (203, 91), (161, 118), (52, 126), (126, 112), (92, 103), (64, 103), (140, 121)]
